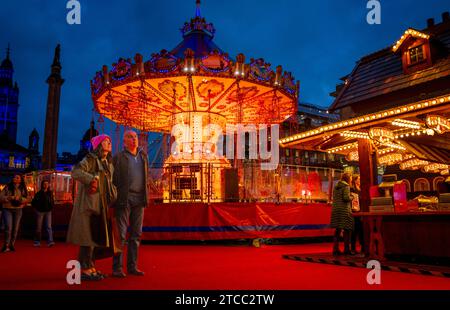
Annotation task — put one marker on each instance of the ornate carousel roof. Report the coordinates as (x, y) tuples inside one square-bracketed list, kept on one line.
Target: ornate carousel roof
[(196, 76)]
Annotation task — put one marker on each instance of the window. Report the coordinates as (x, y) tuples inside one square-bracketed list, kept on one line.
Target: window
[(416, 54), (436, 183), (408, 185), (421, 185)]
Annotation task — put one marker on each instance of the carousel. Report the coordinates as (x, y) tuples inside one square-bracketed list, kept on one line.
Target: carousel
[(204, 100), (216, 112)]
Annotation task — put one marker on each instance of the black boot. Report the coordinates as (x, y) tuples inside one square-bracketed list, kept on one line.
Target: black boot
[(11, 247), (353, 241), (347, 243), (336, 251), (5, 248)]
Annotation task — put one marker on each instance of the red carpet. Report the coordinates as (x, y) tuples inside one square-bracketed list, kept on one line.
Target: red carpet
[(202, 267)]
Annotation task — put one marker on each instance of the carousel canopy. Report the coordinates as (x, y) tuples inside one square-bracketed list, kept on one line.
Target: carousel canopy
[(195, 77)]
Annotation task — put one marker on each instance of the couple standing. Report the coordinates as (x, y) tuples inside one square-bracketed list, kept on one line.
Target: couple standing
[(112, 195)]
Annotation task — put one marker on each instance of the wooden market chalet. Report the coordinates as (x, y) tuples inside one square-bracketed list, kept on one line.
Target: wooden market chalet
[(395, 110)]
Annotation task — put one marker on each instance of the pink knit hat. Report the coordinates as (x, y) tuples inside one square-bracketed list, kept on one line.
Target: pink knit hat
[(95, 141)]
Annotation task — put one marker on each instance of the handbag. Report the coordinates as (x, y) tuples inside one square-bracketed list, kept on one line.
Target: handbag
[(110, 188), (355, 203), (93, 204), (111, 193)]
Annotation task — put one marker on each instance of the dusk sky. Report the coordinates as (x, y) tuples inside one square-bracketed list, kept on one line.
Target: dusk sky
[(318, 41)]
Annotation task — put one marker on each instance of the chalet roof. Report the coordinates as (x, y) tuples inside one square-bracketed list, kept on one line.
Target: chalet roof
[(381, 72)]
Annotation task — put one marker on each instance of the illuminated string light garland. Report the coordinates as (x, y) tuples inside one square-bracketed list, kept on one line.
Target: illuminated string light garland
[(367, 118), (390, 159), (343, 147), (409, 32), (406, 123), (384, 151), (394, 146), (402, 134), (434, 167), (413, 164), (381, 134), (438, 123), (408, 156), (355, 134)]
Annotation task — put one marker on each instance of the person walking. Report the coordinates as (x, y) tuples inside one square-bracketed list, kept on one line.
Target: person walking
[(130, 178)]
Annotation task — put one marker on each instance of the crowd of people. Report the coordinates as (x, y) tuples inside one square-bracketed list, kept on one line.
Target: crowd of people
[(110, 202)]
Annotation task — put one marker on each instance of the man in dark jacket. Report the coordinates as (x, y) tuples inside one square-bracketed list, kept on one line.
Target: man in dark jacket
[(43, 204), (130, 178)]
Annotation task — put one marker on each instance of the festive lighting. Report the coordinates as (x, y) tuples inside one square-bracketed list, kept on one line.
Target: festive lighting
[(413, 164), (390, 159), (381, 134), (401, 134), (343, 147), (445, 172), (409, 32), (355, 134), (406, 123), (438, 123), (434, 168), (394, 146), (352, 156), (430, 132), (376, 116), (384, 151)]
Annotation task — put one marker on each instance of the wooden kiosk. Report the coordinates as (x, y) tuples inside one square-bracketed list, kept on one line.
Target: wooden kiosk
[(395, 107)]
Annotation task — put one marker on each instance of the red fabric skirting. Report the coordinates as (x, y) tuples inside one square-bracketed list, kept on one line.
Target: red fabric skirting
[(199, 221)]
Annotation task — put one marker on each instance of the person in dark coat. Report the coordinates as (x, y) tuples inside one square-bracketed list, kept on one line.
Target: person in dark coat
[(341, 213), (43, 203), (357, 233), (90, 225), (130, 177)]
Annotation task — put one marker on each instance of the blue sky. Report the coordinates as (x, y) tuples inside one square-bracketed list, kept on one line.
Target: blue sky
[(318, 41)]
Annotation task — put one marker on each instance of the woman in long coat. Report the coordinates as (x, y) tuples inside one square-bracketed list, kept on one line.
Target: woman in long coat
[(90, 225), (341, 214)]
